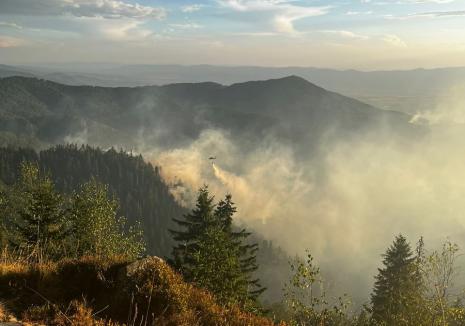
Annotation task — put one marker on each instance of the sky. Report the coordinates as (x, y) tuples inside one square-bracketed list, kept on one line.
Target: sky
[(341, 34)]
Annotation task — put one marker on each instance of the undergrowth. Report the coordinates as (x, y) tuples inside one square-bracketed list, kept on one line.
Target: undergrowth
[(109, 291)]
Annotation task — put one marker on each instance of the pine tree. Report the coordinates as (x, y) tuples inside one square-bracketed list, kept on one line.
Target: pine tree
[(36, 213), (46, 224), (212, 255), (244, 284), (195, 225), (142, 193), (396, 295)]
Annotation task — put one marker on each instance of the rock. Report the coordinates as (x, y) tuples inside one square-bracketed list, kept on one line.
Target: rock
[(130, 269)]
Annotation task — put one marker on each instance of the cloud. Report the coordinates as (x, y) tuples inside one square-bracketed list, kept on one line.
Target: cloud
[(348, 34), (256, 34), (283, 13), (394, 40), (112, 20), (80, 8), (115, 30), (359, 13), (428, 14), (454, 13), (192, 8), (10, 25), (387, 2), (10, 42), (187, 26), (430, 1), (389, 39)]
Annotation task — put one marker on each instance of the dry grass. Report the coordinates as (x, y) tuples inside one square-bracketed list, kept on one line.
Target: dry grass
[(93, 291), (4, 314)]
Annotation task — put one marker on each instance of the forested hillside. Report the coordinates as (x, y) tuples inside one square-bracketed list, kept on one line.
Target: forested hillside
[(142, 193), (290, 109)]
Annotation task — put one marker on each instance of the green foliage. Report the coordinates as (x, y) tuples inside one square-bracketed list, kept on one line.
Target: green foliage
[(306, 298), (214, 256), (242, 278), (45, 223), (418, 289), (98, 230), (35, 214), (397, 293), (443, 300), (142, 193)]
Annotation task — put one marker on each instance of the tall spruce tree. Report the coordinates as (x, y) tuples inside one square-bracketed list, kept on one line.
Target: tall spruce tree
[(213, 255), (194, 226), (36, 213), (397, 292), (244, 284)]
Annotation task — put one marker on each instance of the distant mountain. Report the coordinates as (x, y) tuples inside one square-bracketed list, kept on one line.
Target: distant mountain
[(291, 109), (403, 90), (351, 82), (289, 113), (10, 71)]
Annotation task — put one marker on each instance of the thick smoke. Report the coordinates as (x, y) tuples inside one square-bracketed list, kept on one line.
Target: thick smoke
[(344, 201), (347, 208)]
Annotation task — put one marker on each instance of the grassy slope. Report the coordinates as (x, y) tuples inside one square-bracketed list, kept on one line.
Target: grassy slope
[(66, 293)]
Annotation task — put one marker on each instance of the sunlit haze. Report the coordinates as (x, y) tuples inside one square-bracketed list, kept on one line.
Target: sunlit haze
[(364, 34)]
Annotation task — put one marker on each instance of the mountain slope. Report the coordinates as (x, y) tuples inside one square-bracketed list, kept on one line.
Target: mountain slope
[(290, 109), (143, 195), (352, 82)]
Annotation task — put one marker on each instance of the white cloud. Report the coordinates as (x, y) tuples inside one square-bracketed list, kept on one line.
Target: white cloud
[(430, 14), (394, 40), (283, 12), (430, 1), (192, 8), (358, 13), (108, 20), (348, 34), (10, 25), (81, 8), (256, 34), (455, 13), (387, 2), (187, 26), (120, 30)]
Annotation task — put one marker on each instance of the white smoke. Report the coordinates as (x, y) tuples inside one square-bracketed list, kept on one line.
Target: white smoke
[(370, 191)]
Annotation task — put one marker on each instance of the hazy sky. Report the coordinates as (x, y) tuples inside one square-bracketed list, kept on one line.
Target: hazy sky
[(362, 34)]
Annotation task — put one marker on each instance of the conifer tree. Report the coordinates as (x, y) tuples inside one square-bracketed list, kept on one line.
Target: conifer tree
[(36, 213), (46, 224), (397, 291), (194, 225), (214, 256), (245, 285)]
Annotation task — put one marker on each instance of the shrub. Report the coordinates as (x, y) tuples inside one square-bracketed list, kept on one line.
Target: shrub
[(147, 292)]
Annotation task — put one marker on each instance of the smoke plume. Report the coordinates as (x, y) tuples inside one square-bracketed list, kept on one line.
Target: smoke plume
[(347, 207)]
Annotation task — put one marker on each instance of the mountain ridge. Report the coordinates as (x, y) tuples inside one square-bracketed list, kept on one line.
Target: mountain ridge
[(290, 108)]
